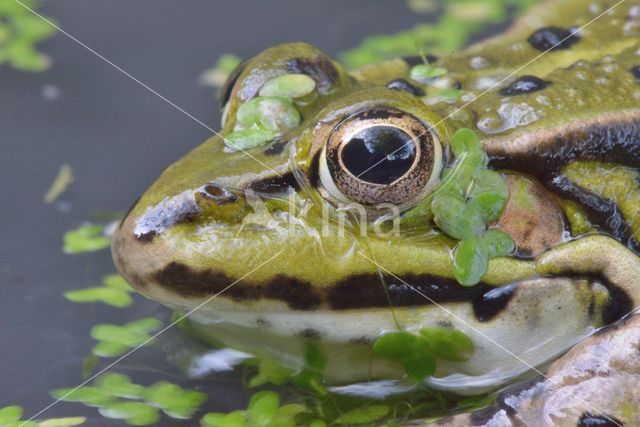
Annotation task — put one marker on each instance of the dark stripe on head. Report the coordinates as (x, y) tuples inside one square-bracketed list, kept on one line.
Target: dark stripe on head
[(275, 185)]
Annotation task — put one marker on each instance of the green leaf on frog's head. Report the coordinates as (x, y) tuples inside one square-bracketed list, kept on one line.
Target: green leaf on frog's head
[(248, 138), (288, 86), (274, 113), (471, 258)]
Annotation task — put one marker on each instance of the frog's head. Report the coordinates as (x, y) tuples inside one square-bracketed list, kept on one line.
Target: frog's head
[(248, 227)]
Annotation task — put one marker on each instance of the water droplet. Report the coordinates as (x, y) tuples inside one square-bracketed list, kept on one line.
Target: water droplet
[(602, 81), (479, 62), (509, 117), (634, 12), (594, 8), (610, 68), (632, 27)]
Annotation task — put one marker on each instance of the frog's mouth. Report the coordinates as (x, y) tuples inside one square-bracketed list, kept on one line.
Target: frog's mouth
[(341, 292)]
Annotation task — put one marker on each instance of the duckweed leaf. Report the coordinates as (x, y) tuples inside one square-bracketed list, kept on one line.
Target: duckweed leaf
[(116, 281), (456, 218), (270, 372), (10, 413), (499, 243), (424, 72), (288, 86), (471, 259), (174, 400), (364, 415), (114, 340), (248, 138), (62, 422), (134, 413), (448, 344), (232, 419), (86, 238), (465, 140), (114, 297), (450, 93), (273, 113), (217, 75), (406, 349), (262, 408), (119, 385), (87, 395)]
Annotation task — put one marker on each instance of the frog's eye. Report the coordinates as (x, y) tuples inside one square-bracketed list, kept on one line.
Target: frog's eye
[(380, 155)]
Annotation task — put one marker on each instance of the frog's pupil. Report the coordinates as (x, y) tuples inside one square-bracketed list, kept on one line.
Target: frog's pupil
[(379, 154)]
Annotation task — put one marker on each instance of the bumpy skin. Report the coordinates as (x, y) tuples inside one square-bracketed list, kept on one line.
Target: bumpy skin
[(568, 144)]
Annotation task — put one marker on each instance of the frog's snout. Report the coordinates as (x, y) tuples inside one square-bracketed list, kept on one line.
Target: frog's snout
[(140, 244)]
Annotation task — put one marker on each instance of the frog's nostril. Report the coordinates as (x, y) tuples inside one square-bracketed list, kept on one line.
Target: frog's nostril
[(219, 194)]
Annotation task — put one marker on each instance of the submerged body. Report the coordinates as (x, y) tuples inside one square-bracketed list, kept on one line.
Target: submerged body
[(248, 227)]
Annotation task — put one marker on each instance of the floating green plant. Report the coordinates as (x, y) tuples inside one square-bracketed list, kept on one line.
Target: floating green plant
[(271, 114), (363, 415), (115, 340), (465, 205), (457, 23), (86, 238), (117, 397), (115, 292), (264, 410), (418, 353), (20, 31), (426, 72), (11, 416), (218, 74)]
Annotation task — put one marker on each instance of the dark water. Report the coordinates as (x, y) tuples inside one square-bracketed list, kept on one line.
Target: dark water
[(117, 137)]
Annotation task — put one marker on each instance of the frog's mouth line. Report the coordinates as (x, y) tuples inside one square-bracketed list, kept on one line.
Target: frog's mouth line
[(573, 260)]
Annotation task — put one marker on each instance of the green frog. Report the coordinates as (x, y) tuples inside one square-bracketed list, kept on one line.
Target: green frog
[(489, 197)]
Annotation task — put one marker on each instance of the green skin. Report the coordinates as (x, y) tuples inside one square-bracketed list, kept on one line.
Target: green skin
[(182, 248)]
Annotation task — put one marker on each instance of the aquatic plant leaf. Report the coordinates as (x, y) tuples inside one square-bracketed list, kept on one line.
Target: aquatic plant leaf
[(423, 72), (406, 349), (118, 334), (232, 419), (273, 113), (471, 259), (134, 413), (119, 385), (111, 296), (109, 349), (117, 282), (62, 422), (465, 140), (447, 344), (262, 408), (499, 243), (10, 413), (218, 74), (174, 400), (456, 218), (270, 372), (450, 93), (364, 415), (248, 138), (144, 326), (288, 86), (87, 395), (86, 238)]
